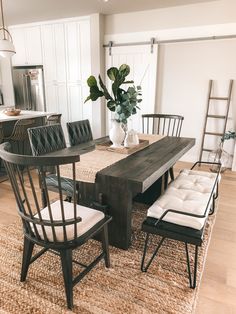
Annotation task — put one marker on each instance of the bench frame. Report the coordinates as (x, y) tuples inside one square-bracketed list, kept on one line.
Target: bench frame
[(180, 233)]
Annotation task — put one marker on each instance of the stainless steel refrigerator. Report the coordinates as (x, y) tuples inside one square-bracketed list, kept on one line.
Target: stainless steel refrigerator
[(29, 90)]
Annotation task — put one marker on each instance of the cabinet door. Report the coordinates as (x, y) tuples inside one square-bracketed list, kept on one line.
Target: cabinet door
[(60, 52), (78, 68), (51, 97), (73, 52), (18, 37), (33, 45), (27, 41), (75, 102), (49, 60), (62, 105)]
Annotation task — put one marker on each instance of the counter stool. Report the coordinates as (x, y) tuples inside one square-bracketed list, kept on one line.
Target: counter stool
[(1, 140), (19, 134), (53, 119), (1, 133)]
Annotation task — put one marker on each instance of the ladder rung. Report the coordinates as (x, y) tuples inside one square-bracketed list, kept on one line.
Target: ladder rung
[(219, 98), (207, 150), (216, 116), (213, 133)]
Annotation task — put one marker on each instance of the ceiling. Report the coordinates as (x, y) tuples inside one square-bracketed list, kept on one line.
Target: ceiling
[(26, 11)]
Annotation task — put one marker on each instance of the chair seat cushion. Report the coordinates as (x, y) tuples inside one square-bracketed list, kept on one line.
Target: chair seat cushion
[(90, 217), (66, 184), (184, 200), (199, 181)]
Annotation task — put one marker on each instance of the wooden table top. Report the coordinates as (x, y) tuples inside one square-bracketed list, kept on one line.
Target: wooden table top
[(142, 168)]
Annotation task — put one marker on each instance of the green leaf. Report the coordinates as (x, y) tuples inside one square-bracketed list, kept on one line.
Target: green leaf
[(124, 69), (92, 81), (139, 87), (87, 99), (118, 109), (111, 105), (95, 93), (112, 73)]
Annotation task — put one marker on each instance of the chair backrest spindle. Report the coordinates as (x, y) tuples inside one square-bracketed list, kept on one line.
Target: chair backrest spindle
[(163, 124)]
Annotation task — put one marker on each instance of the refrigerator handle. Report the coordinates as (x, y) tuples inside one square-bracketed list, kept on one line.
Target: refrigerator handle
[(24, 91), (29, 92)]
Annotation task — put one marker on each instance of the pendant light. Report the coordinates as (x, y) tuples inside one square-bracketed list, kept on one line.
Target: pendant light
[(7, 48)]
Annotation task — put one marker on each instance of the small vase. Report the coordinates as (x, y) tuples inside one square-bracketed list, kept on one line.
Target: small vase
[(116, 134)]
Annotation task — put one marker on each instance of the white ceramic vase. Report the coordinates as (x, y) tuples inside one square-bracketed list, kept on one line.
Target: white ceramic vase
[(116, 134)]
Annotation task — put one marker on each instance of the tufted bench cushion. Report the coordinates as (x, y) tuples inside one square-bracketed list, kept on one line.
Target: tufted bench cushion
[(189, 193), (199, 181), (186, 201)]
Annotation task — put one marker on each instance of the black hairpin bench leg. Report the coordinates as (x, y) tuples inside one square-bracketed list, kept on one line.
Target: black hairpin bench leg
[(145, 268), (192, 281)]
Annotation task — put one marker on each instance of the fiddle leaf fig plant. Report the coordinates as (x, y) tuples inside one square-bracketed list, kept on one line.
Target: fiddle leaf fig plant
[(123, 103)]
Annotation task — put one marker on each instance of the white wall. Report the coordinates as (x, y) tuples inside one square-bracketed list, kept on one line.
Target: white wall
[(184, 73)]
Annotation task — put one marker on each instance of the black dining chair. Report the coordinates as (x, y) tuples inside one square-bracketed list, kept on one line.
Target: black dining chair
[(79, 132), (57, 226), (47, 139), (163, 124)]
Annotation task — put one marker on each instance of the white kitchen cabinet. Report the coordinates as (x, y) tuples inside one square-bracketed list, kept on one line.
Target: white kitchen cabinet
[(28, 45)]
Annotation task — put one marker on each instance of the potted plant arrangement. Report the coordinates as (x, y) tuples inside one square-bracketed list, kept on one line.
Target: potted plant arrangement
[(122, 102)]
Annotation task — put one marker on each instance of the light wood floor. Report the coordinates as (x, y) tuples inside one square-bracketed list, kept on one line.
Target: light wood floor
[(218, 287)]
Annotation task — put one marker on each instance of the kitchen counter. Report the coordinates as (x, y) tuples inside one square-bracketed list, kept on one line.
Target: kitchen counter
[(23, 115)]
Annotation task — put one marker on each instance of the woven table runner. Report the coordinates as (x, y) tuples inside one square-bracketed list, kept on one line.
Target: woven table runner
[(93, 162)]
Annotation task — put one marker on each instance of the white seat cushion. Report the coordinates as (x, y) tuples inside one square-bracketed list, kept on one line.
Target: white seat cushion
[(184, 200), (199, 181), (89, 218), (210, 175)]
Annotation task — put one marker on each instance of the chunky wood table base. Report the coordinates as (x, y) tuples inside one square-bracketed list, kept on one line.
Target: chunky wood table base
[(121, 182)]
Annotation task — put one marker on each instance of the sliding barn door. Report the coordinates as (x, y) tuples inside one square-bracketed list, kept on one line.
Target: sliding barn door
[(143, 66)]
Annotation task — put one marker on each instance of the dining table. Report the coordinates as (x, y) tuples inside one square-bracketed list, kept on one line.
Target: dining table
[(140, 173)]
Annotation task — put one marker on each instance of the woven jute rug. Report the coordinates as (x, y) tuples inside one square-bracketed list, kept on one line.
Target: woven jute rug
[(123, 288)]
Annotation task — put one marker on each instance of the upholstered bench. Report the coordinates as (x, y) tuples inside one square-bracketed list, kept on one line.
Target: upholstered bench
[(181, 212)]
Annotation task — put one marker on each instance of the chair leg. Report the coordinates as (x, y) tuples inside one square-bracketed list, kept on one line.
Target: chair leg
[(66, 263), (212, 210), (145, 268), (217, 191), (27, 254), (105, 246), (192, 281), (172, 177)]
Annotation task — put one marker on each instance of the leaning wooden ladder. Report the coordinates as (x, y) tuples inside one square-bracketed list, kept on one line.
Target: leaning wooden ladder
[(224, 117)]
